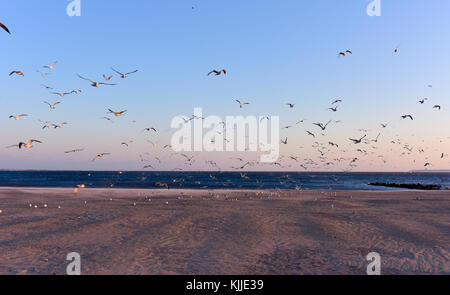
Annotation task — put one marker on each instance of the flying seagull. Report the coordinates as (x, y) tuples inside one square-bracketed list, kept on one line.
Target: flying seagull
[(74, 151), (356, 141), (323, 127), (408, 116), (17, 118), (51, 67), (52, 106), (344, 53), (61, 94), (218, 73), (95, 84), (27, 145), (117, 114), (149, 129), (4, 28), (242, 104), (100, 156)]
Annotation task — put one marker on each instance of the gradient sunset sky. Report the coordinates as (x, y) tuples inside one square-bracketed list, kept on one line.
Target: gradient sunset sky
[(275, 52)]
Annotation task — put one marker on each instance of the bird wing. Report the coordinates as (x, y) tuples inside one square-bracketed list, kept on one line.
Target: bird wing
[(131, 72)]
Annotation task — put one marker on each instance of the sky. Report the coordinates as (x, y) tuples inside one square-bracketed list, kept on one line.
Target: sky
[(275, 52)]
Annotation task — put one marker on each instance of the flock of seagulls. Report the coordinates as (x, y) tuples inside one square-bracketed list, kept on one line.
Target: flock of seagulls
[(327, 148)]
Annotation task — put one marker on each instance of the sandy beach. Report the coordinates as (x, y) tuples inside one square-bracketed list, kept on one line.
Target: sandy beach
[(124, 231)]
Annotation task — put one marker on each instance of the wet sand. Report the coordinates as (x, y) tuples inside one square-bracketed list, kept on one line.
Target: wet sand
[(223, 232)]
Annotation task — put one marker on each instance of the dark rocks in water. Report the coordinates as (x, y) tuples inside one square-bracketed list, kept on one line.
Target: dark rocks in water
[(418, 186)]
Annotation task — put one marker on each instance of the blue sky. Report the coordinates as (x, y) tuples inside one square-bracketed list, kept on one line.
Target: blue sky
[(275, 52)]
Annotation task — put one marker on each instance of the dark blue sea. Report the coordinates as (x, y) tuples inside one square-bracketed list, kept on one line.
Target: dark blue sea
[(217, 180)]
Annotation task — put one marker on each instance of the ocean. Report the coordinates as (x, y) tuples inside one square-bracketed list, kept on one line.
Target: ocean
[(218, 180)]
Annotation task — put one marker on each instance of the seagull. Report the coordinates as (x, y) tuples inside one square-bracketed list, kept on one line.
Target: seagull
[(437, 107), (333, 144), (218, 73), (242, 104), (344, 53), (264, 118), (123, 76), (310, 133), (356, 141), (117, 114), (27, 145), (376, 139), (95, 84), (291, 105), (46, 87), (284, 141), (50, 67), (20, 73), (4, 28), (323, 127), (76, 91), (100, 156), (384, 125), (408, 116), (107, 78), (149, 129), (42, 74), (52, 106), (423, 100), (336, 101), (60, 125), (18, 117), (396, 49), (74, 151), (333, 109), (75, 189)]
